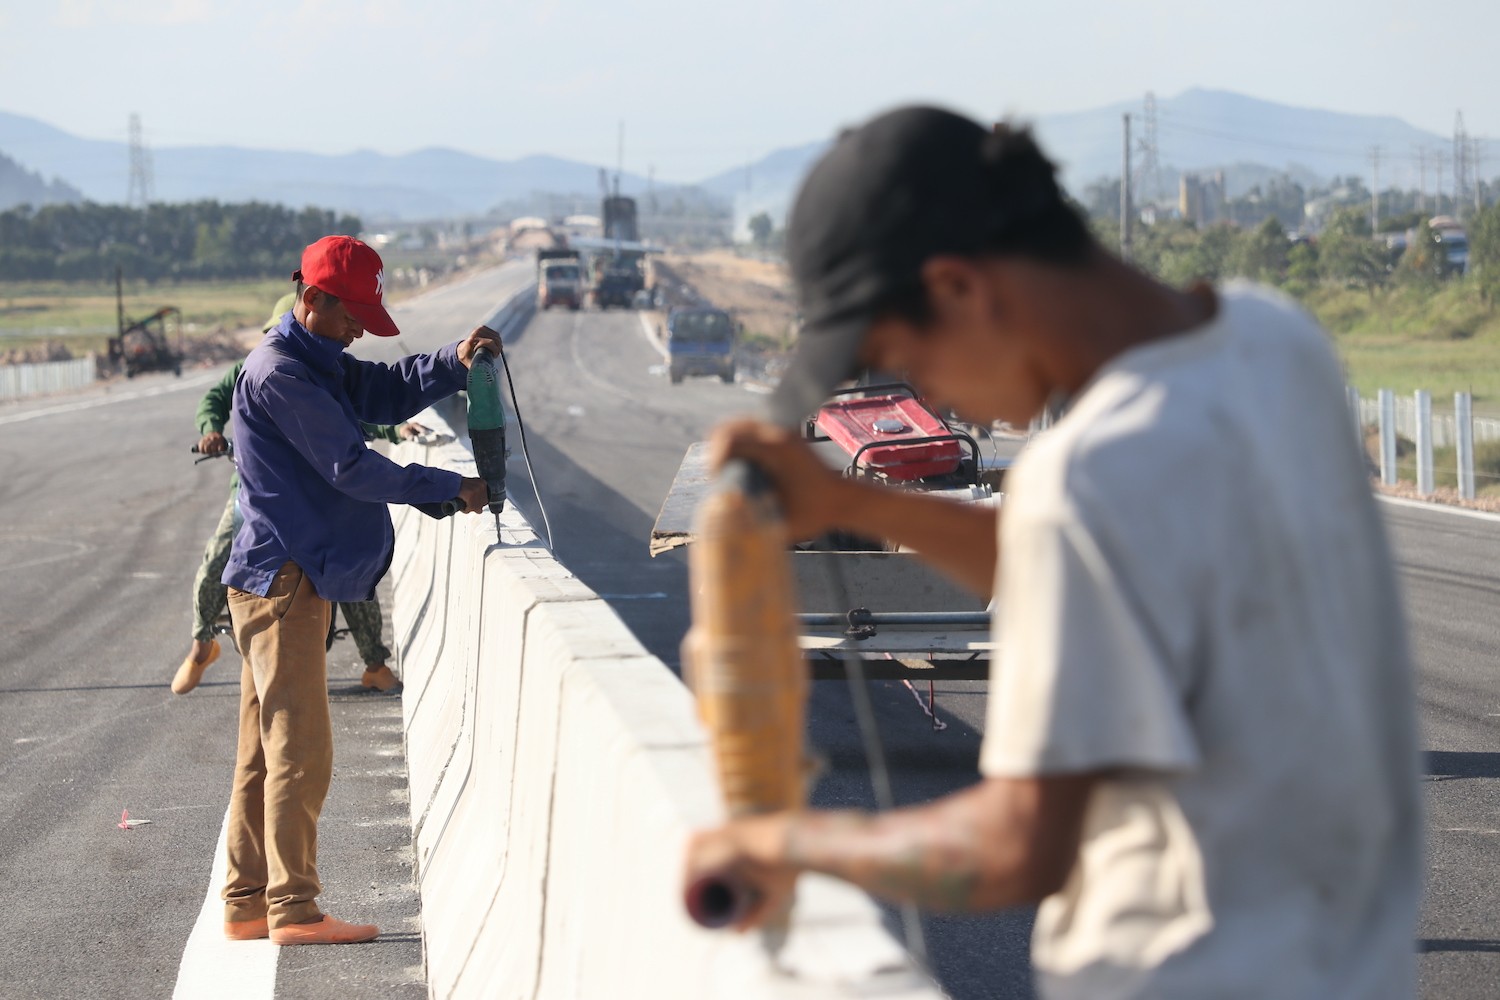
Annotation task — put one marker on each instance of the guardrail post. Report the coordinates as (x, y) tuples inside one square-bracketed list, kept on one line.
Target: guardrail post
[(1463, 417), (1352, 394), (1423, 400), (1387, 437)]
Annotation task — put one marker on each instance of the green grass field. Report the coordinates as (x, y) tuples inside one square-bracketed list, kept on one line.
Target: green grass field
[(1443, 339), (31, 312), (82, 315)]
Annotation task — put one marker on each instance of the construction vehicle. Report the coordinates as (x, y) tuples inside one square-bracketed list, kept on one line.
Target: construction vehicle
[(615, 263), (617, 285), (616, 274), (903, 619), (699, 341), (559, 279), (619, 217), (145, 345)]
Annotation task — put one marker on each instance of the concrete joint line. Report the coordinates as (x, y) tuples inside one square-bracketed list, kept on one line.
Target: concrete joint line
[(546, 857), (541, 951), (441, 839), (420, 869), (511, 801), (421, 614), (563, 599), (442, 627), (473, 727), (437, 785)]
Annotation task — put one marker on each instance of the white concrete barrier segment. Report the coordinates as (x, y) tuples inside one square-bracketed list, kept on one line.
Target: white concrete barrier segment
[(557, 770)]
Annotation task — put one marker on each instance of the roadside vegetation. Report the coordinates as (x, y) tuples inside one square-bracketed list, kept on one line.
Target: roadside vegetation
[(223, 265), (1403, 318), (201, 240)]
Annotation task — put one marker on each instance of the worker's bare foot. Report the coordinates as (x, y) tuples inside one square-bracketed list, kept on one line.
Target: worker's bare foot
[(190, 673), (380, 678)]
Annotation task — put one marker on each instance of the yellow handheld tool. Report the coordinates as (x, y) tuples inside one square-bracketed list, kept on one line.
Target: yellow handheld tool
[(745, 667)]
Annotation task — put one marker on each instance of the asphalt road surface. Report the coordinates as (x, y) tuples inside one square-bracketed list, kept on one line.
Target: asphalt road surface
[(1450, 569), (103, 518), (102, 522)]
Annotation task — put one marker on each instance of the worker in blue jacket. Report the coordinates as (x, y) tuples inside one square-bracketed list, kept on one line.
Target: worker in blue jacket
[(316, 530)]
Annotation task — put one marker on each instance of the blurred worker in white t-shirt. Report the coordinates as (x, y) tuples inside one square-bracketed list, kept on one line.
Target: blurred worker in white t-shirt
[(1200, 757)]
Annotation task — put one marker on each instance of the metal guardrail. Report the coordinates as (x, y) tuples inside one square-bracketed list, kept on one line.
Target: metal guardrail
[(1444, 426), (57, 331), (18, 381), (1412, 419)]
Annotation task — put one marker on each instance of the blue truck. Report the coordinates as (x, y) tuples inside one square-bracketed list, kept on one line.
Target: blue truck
[(700, 341)]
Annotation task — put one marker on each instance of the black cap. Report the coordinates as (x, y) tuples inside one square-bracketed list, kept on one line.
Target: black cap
[(906, 186)]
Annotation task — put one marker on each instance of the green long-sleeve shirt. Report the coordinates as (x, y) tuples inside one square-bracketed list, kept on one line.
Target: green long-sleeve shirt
[(215, 406), (214, 409)]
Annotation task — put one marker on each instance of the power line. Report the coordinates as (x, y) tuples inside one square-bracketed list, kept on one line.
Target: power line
[(1172, 122)]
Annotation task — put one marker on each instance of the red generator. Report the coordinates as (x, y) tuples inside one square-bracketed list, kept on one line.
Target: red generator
[(887, 431)]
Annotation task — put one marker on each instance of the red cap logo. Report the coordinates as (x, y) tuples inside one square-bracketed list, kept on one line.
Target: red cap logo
[(351, 270)]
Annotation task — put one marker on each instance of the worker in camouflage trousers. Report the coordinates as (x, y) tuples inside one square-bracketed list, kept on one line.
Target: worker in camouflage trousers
[(210, 595)]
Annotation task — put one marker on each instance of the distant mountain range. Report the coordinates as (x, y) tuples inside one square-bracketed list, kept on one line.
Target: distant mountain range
[(1196, 130), (427, 184), (1250, 139), (19, 186)]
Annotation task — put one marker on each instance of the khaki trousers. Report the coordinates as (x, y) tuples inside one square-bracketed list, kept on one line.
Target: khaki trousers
[(285, 758)]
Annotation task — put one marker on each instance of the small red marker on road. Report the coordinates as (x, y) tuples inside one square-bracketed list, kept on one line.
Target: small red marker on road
[(126, 823)]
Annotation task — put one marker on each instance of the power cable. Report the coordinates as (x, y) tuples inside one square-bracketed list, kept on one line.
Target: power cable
[(525, 451), (875, 761), (1173, 121)]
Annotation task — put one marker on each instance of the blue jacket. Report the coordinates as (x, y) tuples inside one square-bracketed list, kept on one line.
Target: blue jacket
[(311, 490)]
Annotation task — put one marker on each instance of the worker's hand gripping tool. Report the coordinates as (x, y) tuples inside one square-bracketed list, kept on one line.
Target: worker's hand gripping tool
[(746, 670), (487, 428), (486, 419)]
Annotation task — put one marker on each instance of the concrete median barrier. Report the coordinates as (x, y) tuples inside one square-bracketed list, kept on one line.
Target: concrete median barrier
[(556, 771)]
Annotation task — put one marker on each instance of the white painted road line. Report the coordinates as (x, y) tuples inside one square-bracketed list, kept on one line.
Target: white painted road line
[(176, 385), (215, 967), (652, 339), (1441, 508)]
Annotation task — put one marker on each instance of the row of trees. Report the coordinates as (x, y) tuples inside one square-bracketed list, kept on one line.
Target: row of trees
[(1299, 208), (202, 239), (1344, 254)]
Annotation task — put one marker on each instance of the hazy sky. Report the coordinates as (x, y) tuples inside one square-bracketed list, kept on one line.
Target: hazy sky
[(703, 85)]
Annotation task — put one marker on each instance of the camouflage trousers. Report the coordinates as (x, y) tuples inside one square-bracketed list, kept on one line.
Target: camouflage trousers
[(210, 596)]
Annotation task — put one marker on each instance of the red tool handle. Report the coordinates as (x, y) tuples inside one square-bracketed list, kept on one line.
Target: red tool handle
[(718, 901)]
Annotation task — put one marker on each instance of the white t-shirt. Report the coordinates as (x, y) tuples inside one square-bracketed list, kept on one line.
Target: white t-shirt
[(1197, 596)]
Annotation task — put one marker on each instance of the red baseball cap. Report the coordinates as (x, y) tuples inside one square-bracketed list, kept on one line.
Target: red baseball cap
[(344, 267)]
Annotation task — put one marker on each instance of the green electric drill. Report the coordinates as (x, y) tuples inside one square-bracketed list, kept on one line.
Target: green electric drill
[(487, 428)]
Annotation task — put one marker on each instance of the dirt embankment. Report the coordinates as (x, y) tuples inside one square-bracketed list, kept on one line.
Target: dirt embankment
[(757, 293)]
